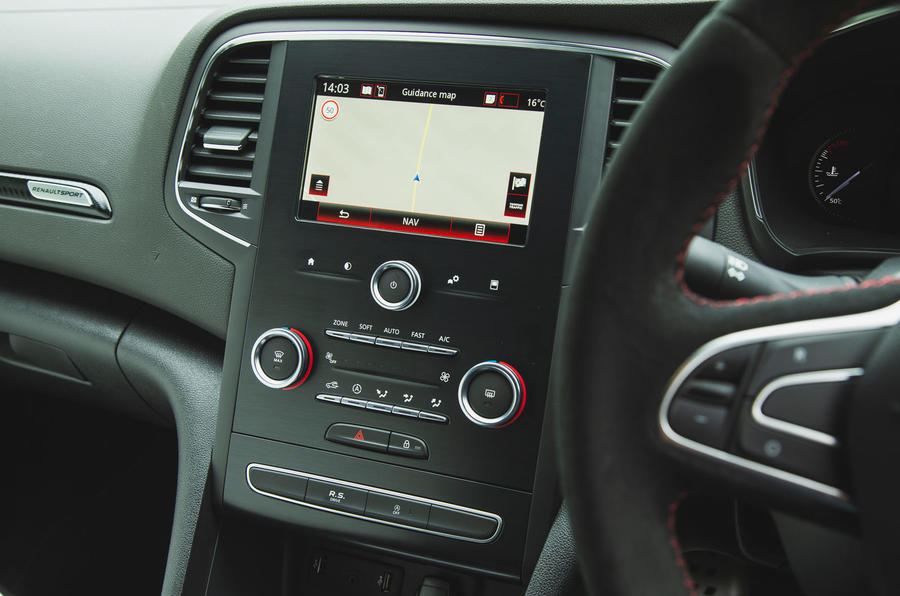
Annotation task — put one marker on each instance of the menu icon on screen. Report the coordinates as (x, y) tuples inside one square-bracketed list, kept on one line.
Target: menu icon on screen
[(318, 185)]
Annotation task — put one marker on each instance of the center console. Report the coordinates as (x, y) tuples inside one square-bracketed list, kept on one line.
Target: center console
[(419, 194)]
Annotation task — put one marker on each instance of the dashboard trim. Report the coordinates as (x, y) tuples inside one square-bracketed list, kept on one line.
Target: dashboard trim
[(99, 200), (377, 490), (394, 36)]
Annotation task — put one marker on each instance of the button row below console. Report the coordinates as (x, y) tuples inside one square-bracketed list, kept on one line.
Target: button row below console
[(373, 504), (377, 406), (390, 342), (376, 439)]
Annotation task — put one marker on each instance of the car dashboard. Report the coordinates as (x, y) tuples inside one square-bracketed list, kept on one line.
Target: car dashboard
[(355, 224)]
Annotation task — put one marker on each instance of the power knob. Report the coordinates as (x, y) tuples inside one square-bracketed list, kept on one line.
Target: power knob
[(492, 394), (395, 285), (281, 358)]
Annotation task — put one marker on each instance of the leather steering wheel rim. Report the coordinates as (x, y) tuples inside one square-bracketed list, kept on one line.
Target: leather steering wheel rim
[(630, 320)]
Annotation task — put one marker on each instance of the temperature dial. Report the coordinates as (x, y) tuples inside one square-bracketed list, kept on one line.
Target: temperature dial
[(281, 358), (492, 394), (844, 176)]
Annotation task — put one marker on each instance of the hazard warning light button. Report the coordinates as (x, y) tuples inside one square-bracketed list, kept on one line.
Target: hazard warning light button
[(364, 437)]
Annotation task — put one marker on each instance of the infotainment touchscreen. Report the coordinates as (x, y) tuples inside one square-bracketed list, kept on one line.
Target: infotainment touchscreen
[(424, 158)]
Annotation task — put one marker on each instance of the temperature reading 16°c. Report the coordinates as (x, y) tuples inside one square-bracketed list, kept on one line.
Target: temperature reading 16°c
[(336, 88), (537, 102)]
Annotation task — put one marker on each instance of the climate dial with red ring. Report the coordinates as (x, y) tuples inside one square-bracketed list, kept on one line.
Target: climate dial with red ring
[(492, 394), (281, 358)]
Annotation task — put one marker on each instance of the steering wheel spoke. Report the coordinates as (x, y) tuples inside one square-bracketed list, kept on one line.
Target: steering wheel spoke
[(771, 400)]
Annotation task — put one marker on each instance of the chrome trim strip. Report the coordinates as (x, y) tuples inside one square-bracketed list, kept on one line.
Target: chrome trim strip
[(865, 17), (876, 319), (99, 200), (255, 365), (377, 490), (399, 36), (807, 378)]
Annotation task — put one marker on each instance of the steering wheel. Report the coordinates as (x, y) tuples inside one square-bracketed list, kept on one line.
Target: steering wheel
[(640, 345)]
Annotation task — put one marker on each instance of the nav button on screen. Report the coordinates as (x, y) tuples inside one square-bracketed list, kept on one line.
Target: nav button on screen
[(402, 221)]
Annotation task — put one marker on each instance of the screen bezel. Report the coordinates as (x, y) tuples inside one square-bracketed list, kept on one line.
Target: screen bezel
[(516, 233)]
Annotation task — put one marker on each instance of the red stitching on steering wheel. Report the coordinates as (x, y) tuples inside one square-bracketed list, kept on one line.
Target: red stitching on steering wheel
[(689, 582), (785, 77)]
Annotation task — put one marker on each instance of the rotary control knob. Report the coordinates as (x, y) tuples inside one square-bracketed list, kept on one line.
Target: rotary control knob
[(396, 285), (281, 358), (492, 394)]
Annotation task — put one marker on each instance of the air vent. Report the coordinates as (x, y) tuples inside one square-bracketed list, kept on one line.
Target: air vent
[(222, 143), (633, 80)]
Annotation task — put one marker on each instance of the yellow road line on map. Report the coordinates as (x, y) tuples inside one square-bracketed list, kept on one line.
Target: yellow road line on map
[(421, 152)]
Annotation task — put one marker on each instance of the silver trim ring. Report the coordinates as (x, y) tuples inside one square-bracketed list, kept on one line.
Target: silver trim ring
[(302, 357), (875, 319), (808, 378), (509, 375), (377, 490), (415, 285)]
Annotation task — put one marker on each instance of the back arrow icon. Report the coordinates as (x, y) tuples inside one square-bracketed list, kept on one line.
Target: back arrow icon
[(343, 214)]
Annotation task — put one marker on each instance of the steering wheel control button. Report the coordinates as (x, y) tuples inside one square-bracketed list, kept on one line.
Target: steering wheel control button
[(492, 394), (407, 446), (395, 285), (461, 523), (398, 510), (818, 406), (364, 437), (281, 358), (717, 391), (698, 421), (806, 405), (728, 366), (278, 483), (789, 453), (336, 496), (824, 352)]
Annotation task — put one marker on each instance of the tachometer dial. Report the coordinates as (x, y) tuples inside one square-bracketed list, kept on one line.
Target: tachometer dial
[(841, 176)]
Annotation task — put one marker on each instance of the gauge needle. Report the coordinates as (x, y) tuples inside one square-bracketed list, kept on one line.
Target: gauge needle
[(843, 185)]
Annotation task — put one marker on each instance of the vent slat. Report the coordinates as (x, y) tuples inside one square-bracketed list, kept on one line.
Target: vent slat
[(632, 82), (639, 80), (218, 171), (231, 116), (254, 61), (230, 107), (236, 96), (243, 78), (206, 153)]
